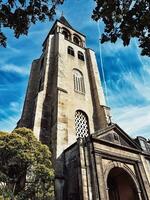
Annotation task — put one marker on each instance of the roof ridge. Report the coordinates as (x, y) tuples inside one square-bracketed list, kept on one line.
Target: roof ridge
[(63, 20)]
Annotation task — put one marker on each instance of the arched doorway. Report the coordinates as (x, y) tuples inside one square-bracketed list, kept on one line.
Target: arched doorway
[(121, 185)]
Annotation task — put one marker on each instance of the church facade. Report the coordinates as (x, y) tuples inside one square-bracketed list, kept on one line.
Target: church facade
[(93, 158)]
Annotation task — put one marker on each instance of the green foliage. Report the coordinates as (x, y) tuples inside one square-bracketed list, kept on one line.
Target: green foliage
[(125, 19), (25, 167), (20, 14)]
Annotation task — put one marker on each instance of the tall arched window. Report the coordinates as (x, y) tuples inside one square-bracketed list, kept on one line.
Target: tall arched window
[(78, 81), (81, 124)]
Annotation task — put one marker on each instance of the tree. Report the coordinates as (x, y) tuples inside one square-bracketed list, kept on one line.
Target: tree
[(25, 167), (125, 19), (20, 14)]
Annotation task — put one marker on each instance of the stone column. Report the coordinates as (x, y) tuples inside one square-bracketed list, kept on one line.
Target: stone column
[(101, 182)]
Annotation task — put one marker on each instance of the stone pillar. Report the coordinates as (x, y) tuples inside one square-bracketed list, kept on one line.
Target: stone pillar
[(98, 99), (145, 187), (84, 178), (101, 180)]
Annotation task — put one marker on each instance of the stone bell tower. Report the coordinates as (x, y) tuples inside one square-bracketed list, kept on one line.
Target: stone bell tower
[(64, 99), (64, 102)]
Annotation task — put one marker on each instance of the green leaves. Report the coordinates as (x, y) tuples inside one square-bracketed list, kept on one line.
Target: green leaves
[(25, 166), (2, 40), (125, 19), (20, 15)]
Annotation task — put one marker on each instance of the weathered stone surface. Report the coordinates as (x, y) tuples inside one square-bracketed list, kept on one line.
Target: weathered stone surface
[(81, 167)]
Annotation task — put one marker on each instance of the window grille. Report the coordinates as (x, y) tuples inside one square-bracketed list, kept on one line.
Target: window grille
[(81, 124), (80, 55), (78, 81), (70, 51)]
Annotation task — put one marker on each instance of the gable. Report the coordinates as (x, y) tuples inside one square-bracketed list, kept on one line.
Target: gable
[(114, 134)]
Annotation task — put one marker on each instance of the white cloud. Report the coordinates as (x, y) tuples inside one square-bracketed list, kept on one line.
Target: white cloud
[(147, 68), (11, 68), (129, 91), (112, 50), (10, 116), (13, 49), (141, 82), (15, 106), (9, 123), (133, 119)]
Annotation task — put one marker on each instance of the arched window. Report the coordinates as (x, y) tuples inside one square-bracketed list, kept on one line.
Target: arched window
[(77, 40), (81, 124), (66, 34), (80, 55), (70, 51), (78, 81)]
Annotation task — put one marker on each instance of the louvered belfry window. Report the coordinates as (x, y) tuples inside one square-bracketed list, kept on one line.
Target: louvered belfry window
[(70, 51), (78, 81), (81, 124), (80, 55)]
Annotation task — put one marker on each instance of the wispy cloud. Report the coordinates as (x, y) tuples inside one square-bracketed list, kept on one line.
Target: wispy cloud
[(129, 93), (11, 68), (15, 107), (9, 123), (13, 49), (10, 115), (133, 119), (127, 73), (142, 86)]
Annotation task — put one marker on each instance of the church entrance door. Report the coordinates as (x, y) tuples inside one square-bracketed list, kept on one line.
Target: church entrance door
[(121, 186)]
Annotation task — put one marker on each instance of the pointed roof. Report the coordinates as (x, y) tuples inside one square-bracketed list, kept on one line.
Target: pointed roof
[(64, 21), (125, 139)]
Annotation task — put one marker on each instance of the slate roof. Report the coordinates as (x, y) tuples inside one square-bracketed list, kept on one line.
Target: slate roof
[(64, 21)]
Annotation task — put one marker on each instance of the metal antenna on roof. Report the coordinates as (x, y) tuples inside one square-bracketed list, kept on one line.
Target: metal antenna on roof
[(62, 14)]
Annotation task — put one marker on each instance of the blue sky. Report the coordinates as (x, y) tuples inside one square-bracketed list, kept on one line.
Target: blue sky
[(127, 74)]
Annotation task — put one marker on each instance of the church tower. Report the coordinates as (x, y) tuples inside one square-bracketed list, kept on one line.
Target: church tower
[(64, 99), (93, 158)]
